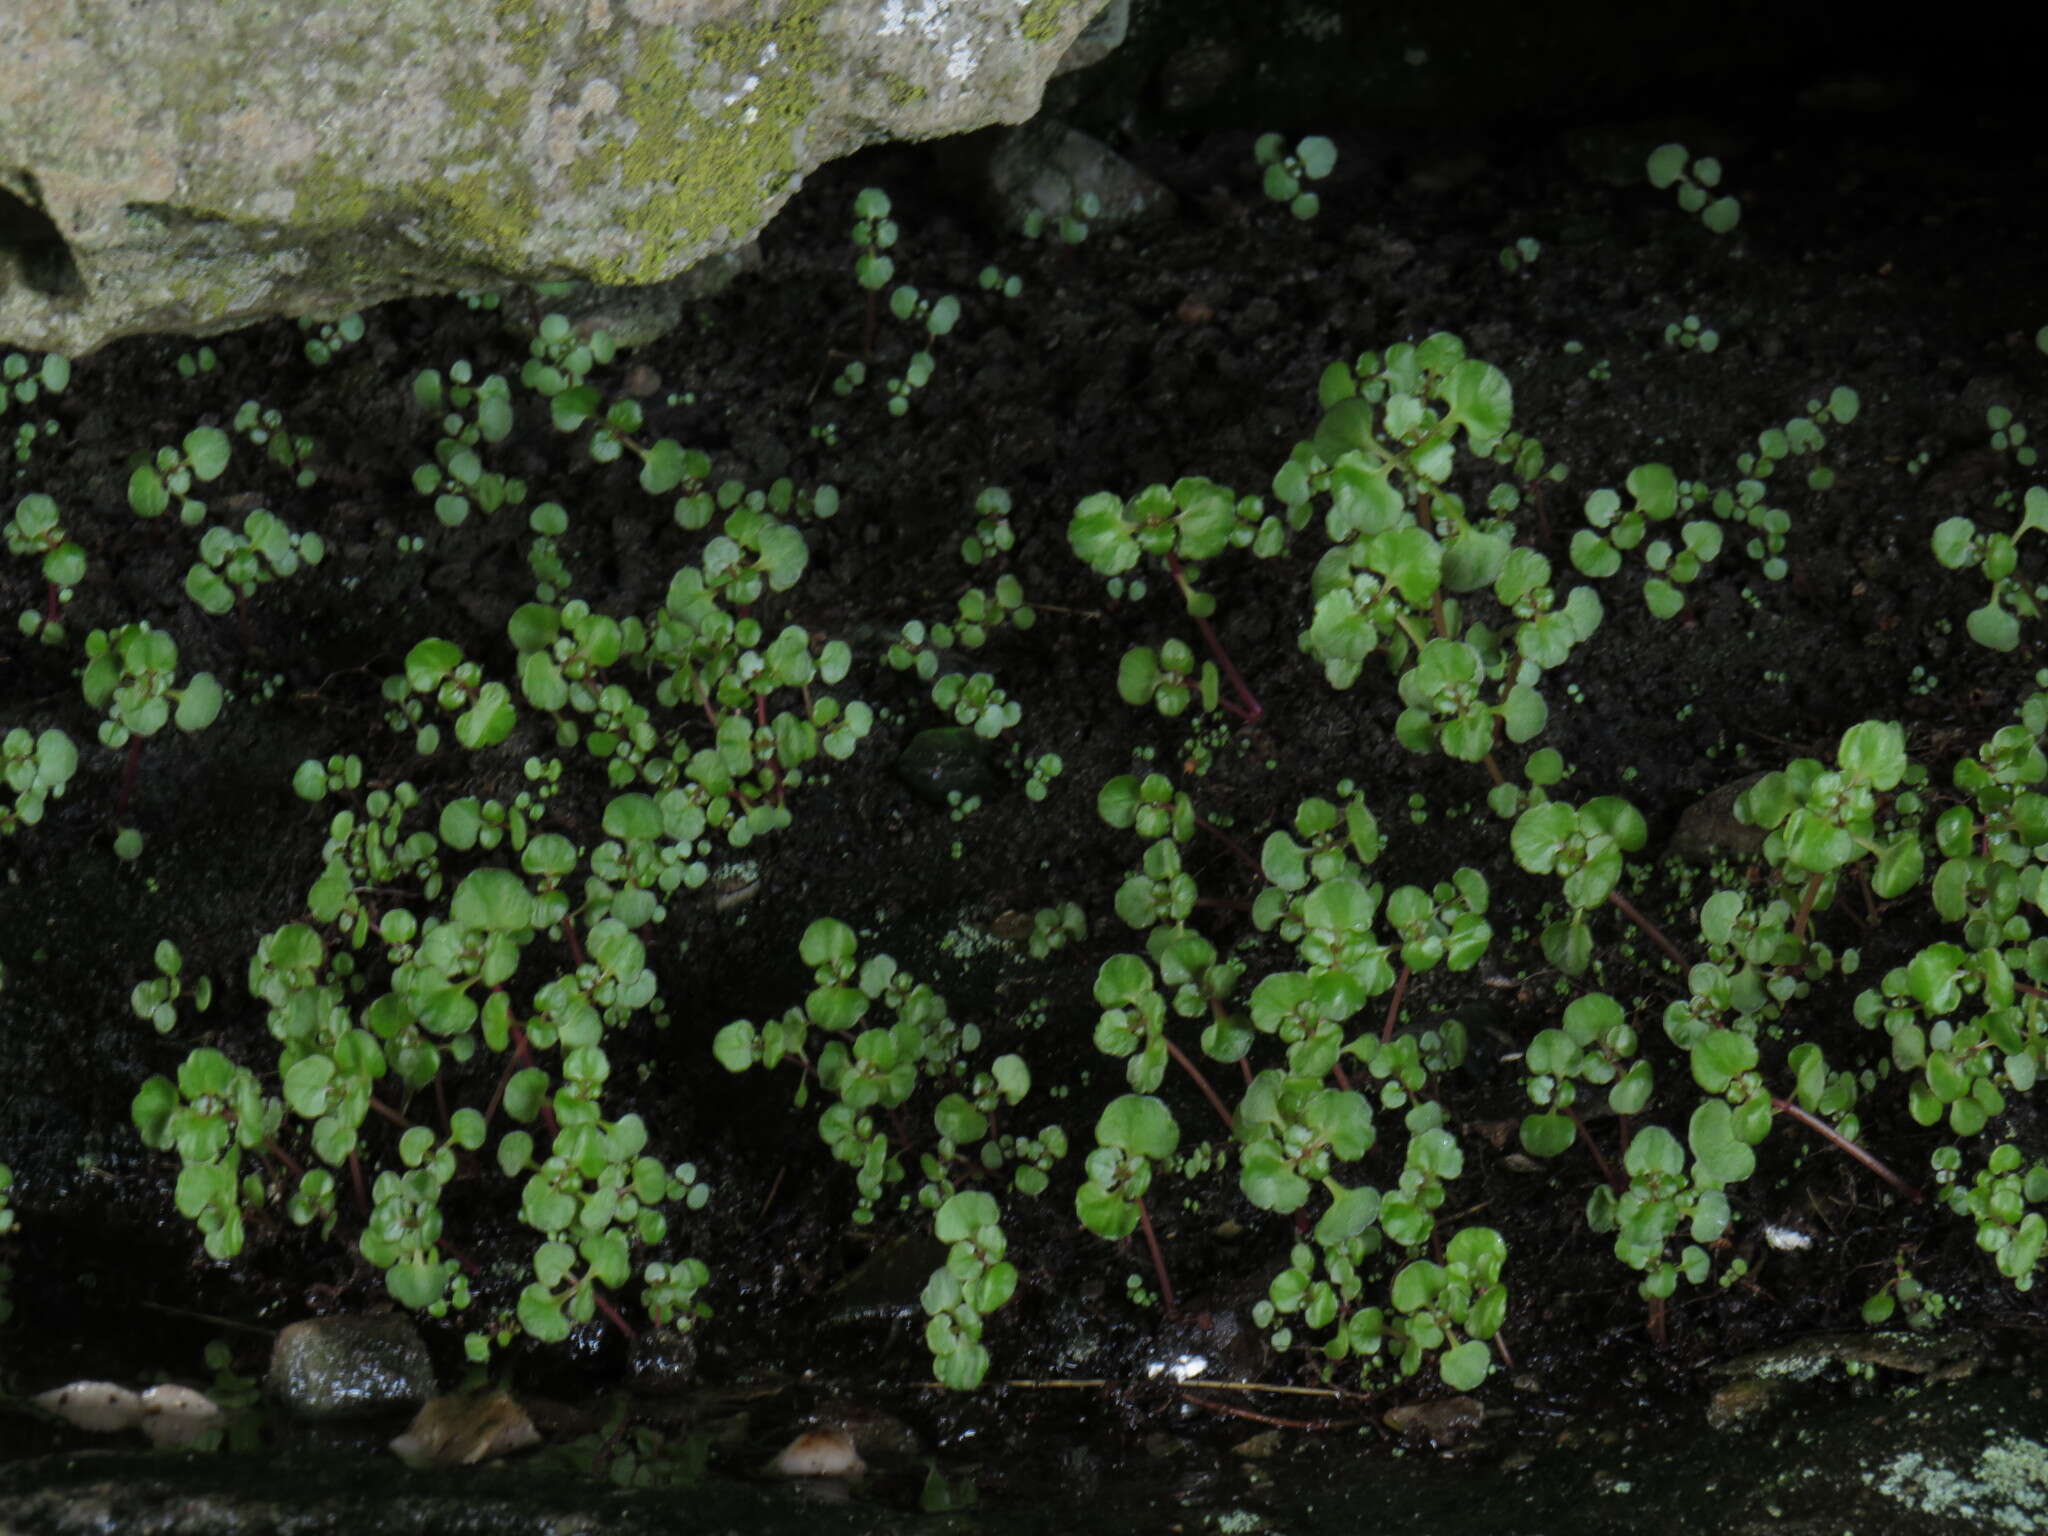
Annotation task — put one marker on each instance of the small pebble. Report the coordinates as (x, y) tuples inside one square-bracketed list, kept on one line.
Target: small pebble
[(99, 1406), (819, 1453)]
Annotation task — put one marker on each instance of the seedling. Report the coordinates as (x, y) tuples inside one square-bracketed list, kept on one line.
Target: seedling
[(326, 339), (1286, 170), (1671, 165), (169, 477), (36, 529), (131, 674)]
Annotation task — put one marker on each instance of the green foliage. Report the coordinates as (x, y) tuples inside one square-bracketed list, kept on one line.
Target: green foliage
[(326, 339), (36, 769), (1066, 225), (992, 536), (34, 530), (1696, 180), (1904, 1295), (172, 474), (264, 427), (1593, 1044), (1133, 1135), (1662, 1197), (1053, 928), (1960, 545), (131, 675), (25, 380), (875, 1039), (2002, 1200), (474, 412), (874, 233), (1405, 553), (156, 1002), (1285, 170), (231, 566), (1689, 335), (1583, 846), (1523, 253), (1658, 497), (479, 926)]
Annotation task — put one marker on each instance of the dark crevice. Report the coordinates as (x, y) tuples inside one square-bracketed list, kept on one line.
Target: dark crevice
[(27, 233)]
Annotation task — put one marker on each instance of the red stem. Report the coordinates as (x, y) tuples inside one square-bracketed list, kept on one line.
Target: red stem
[(1187, 1064), (1394, 1007), (1158, 1262), (1806, 902), (1841, 1143), (1614, 1180), (612, 1313), (1655, 934), (129, 772), (1223, 837), (1251, 708)]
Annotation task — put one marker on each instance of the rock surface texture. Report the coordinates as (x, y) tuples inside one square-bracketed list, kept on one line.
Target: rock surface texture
[(190, 167)]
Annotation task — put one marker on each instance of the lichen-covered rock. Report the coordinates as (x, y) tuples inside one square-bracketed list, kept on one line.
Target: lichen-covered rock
[(350, 1367), (313, 156)]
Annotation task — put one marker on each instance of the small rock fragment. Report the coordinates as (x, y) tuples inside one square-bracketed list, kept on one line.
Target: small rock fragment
[(1739, 1400), (174, 1416), (819, 1453), (1265, 1444), (99, 1406), (1443, 1422)]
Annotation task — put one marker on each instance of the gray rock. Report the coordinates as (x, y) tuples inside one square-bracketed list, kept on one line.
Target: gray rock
[(296, 157), (1049, 169), (350, 1367), (1708, 828)]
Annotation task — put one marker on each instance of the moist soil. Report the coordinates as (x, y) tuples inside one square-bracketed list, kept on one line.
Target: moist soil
[(1867, 256)]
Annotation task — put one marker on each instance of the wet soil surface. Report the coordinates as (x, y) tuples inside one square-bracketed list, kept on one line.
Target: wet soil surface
[(1190, 346)]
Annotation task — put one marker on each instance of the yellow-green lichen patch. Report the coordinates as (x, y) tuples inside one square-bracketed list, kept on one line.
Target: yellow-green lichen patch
[(708, 135), (1041, 19)]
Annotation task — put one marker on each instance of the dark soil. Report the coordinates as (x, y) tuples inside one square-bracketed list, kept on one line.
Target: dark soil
[(1193, 346)]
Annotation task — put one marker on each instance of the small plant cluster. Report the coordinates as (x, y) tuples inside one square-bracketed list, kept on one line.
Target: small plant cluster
[(1698, 515), (1304, 1127), (36, 767), (1401, 579), (1067, 226), (1961, 545), (130, 671), (1671, 165), (327, 339), (370, 1002), (36, 530), (24, 382), (1286, 171), (447, 1007), (872, 1039), (416, 969), (874, 235)]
